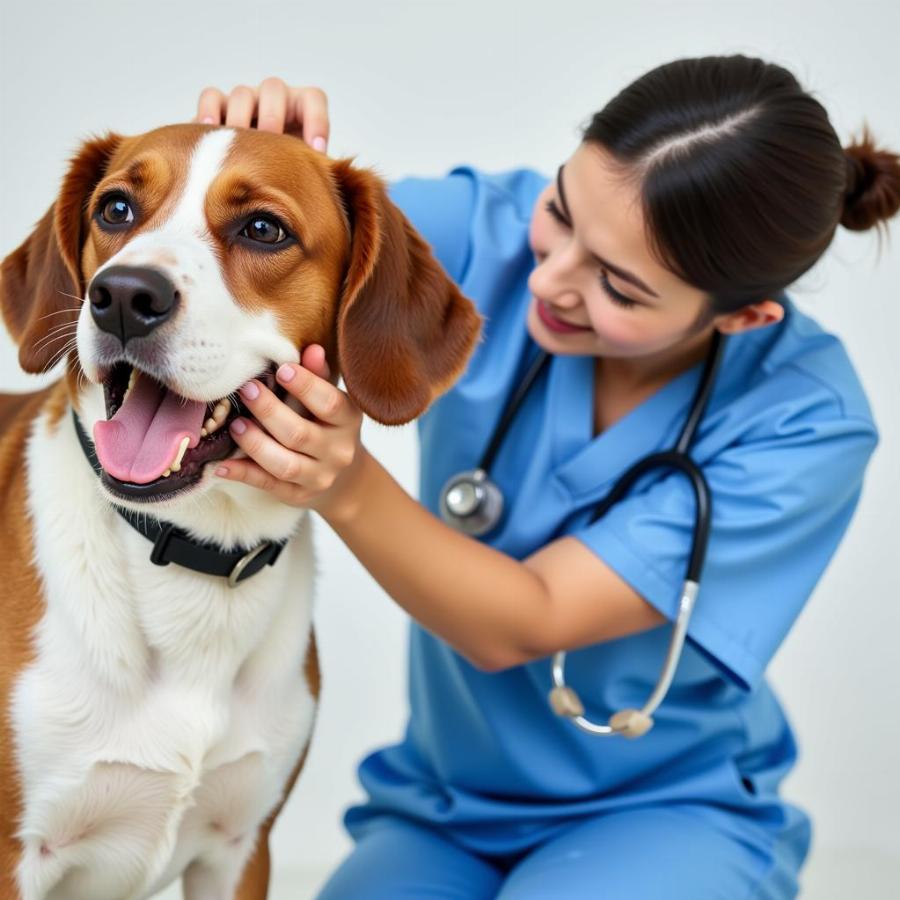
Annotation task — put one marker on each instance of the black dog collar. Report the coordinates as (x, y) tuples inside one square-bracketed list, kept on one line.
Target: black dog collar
[(173, 544)]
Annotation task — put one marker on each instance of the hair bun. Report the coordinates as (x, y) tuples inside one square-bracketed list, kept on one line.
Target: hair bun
[(872, 194)]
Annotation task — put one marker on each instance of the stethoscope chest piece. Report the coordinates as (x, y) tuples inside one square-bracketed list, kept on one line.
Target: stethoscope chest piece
[(471, 502)]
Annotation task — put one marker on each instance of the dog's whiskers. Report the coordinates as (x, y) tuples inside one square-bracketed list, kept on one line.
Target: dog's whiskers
[(49, 337), (68, 309), (72, 342), (62, 327), (57, 356)]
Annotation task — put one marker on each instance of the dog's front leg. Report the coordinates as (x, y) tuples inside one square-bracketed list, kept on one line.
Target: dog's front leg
[(219, 877), (254, 883)]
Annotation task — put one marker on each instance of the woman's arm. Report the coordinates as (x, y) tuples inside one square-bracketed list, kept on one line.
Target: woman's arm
[(494, 610)]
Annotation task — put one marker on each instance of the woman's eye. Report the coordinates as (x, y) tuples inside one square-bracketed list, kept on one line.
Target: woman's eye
[(117, 211), (614, 295), (264, 230), (553, 209)]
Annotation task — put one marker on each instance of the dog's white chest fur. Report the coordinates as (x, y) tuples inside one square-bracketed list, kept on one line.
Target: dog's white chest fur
[(163, 712)]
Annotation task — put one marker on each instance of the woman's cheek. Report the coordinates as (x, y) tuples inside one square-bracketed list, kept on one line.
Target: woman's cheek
[(537, 239), (540, 228), (618, 331)]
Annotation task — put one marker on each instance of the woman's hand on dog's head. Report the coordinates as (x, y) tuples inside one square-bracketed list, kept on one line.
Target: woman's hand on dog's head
[(273, 106)]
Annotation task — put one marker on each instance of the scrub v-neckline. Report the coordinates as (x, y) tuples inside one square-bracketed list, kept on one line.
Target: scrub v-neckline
[(585, 463)]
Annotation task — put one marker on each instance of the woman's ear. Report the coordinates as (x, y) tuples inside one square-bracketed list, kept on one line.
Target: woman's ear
[(404, 331), (41, 286), (756, 315)]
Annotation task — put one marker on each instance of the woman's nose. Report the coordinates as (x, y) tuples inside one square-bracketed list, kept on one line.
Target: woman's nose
[(553, 280)]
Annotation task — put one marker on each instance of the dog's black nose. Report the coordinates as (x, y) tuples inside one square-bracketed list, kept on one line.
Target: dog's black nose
[(130, 301)]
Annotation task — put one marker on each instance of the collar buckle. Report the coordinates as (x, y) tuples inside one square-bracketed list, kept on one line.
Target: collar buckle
[(234, 576)]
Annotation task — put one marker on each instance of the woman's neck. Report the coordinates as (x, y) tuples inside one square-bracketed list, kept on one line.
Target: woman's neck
[(638, 373), (621, 384)]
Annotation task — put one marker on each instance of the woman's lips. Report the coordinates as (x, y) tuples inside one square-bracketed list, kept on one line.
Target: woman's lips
[(553, 323)]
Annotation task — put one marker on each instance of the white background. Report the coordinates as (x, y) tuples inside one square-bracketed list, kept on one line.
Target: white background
[(415, 88)]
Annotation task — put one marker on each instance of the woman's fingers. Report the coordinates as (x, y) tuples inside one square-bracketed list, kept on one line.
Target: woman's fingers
[(273, 102), (247, 471), (241, 106), (276, 107), (291, 430), (210, 106), (324, 400), (287, 453), (311, 116), (313, 358), (284, 462)]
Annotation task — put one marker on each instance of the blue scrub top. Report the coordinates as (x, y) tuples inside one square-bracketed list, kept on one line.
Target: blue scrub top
[(784, 444)]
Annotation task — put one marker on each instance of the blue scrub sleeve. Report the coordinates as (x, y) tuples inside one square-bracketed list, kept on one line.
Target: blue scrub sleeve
[(440, 209), (781, 504)]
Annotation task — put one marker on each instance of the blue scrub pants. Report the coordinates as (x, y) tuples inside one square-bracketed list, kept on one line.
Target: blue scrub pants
[(667, 852)]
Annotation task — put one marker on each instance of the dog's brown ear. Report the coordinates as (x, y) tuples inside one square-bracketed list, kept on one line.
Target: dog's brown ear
[(404, 332), (40, 282)]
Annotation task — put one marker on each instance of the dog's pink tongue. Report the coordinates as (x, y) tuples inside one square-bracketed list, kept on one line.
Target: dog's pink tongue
[(141, 440)]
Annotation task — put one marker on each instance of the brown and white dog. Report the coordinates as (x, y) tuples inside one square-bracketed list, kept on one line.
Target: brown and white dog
[(153, 718)]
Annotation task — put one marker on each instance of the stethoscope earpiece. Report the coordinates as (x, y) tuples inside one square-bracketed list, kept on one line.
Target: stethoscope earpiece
[(630, 723)]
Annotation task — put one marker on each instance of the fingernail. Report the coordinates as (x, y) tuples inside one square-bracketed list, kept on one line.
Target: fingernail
[(286, 373), (250, 391), (221, 471), (319, 144), (238, 426), (207, 120)]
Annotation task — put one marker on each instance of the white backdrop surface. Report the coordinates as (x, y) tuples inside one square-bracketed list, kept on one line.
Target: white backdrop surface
[(416, 88)]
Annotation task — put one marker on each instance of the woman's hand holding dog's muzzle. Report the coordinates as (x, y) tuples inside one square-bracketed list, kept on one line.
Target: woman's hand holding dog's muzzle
[(302, 462)]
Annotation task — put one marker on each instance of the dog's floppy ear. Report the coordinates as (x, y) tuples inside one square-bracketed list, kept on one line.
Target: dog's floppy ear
[(404, 331), (40, 281)]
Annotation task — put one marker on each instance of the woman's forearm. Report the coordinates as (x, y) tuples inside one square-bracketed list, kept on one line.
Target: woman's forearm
[(481, 601)]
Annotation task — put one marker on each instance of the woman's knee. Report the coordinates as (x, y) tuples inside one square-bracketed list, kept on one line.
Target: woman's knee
[(655, 853), (397, 859)]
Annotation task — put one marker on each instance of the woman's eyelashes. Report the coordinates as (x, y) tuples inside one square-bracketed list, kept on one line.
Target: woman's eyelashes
[(614, 295), (610, 291)]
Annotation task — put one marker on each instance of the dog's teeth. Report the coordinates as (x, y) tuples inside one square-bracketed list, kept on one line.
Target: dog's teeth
[(217, 419), (176, 464), (220, 413), (167, 473), (131, 380)]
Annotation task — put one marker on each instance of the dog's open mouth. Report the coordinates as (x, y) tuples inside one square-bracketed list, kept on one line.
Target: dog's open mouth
[(154, 442)]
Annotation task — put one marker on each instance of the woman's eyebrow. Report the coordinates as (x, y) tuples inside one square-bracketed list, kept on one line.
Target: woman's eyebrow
[(622, 273)]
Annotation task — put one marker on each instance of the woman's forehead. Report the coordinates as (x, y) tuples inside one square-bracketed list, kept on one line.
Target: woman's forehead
[(606, 208)]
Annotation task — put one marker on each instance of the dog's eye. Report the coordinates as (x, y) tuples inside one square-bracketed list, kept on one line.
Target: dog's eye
[(117, 211), (265, 230)]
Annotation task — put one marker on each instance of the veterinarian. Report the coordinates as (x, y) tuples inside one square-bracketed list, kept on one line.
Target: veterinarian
[(655, 258)]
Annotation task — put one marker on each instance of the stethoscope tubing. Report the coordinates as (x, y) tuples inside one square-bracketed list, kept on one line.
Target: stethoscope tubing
[(563, 699), (672, 459)]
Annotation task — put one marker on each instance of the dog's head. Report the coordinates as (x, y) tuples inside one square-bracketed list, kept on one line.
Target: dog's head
[(183, 262)]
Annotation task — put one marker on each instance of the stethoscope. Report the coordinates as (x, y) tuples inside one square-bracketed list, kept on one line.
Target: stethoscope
[(473, 504)]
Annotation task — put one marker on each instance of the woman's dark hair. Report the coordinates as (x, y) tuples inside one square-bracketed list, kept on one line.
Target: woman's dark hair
[(743, 180)]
